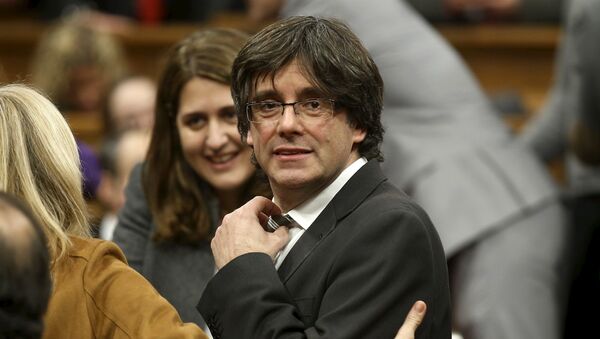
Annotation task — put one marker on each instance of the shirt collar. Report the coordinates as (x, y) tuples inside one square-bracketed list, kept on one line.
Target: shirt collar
[(307, 212)]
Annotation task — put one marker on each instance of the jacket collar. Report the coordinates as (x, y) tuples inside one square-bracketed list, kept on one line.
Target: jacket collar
[(356, 190)]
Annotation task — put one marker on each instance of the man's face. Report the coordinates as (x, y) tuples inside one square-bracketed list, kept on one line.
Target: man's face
[(295, 153)]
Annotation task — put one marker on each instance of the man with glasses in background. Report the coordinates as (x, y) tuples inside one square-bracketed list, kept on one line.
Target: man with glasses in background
[(339, 252)]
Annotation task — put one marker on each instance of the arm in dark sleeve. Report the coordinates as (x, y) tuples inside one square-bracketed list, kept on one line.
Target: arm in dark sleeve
[(589, 49), (586, 136), (541, 10), (135, 222), (371, 285), (433, 10), (529, 10)]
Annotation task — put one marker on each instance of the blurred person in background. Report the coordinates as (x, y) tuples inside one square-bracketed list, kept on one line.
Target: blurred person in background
[(24, 271), (568, 127), (497, 211), (128, 114), (477, 11), (129, 104), (197, 169), (119, 154), (73, 65), (145, 11), (95, 293)]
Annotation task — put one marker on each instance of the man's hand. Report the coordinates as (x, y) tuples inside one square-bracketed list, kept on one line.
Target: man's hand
[(242, 232), (413, 320)]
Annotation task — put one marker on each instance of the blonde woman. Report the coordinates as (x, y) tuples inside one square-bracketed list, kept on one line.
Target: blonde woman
[(75, 64), (95, 293)]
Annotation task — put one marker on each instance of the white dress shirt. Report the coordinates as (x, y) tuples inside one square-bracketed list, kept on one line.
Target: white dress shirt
[(307, 212)]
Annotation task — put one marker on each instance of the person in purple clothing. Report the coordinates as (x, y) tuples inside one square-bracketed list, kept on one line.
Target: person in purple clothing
[(90, 168)]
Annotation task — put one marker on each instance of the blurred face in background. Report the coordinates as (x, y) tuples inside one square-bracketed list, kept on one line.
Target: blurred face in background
[(130, 150), (264, 9), (210, 141), (86, 89), (131, 104)]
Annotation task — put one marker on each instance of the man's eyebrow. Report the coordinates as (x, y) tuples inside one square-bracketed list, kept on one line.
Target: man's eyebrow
[(304, 93), (264, 95), (311, 92)]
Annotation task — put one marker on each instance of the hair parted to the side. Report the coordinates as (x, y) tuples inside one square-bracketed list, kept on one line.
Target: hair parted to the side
[(331, 56), (39, 164), (173, 189)]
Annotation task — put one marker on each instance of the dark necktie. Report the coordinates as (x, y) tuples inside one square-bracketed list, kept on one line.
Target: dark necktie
[(276, 221)]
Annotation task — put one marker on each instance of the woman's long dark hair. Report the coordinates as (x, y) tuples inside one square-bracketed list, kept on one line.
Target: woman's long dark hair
[(175, 193)]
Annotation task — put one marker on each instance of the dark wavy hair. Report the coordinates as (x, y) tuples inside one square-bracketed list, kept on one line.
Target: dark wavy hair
[(332, 58), (176, 194)]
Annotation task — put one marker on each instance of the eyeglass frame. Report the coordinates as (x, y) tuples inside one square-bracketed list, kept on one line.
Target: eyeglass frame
[(283, 104)]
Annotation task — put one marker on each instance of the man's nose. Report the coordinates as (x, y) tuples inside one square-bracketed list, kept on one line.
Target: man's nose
[(289, 121)]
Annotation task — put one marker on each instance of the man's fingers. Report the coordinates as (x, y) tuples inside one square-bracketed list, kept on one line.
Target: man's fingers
[(413, 320), (416, 315), (282, 234)]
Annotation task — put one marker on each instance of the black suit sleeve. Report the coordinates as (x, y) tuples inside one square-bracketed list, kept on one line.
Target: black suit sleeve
[(585, 28), (386, 264)]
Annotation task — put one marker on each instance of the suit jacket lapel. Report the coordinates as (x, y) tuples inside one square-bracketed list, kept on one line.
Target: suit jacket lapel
[(345, 201)]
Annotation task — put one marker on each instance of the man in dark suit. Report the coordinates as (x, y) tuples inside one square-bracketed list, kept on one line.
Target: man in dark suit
[(358, 252)]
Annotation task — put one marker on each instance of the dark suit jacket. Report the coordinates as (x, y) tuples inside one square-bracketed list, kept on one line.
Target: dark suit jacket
[(354, 273)]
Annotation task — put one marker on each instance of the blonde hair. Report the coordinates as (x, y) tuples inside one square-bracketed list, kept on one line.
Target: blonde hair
[(72, 43), (39, 163)]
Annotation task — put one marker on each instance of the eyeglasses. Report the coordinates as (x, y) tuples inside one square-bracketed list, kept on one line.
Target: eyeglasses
[(310, 110)]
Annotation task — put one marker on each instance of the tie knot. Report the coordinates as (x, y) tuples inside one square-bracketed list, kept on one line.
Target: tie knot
[(276, 221)]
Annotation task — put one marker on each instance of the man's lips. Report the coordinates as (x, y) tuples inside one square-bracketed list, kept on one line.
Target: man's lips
[(283, 151)]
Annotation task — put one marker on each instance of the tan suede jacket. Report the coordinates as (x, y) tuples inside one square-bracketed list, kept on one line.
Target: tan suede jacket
[(97, 295)]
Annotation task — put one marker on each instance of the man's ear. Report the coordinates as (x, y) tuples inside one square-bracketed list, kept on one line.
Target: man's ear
[(359, 136)]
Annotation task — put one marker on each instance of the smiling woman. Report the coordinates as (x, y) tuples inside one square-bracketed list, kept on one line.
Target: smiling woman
[(197, 169), (210, 141)]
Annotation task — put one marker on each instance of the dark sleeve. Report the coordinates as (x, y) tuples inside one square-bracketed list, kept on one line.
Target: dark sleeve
[(375, 278), (585, 139), (589, 49), (432, 10), (530, 10), (133, 230), (541, 10)]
